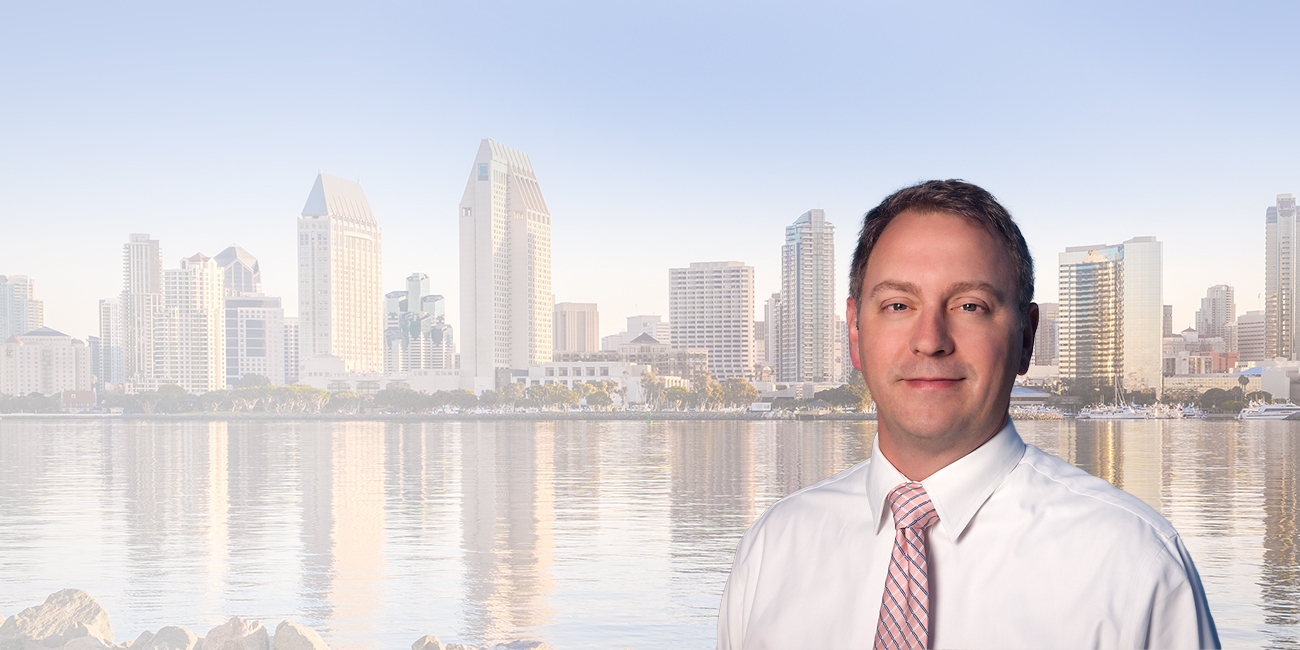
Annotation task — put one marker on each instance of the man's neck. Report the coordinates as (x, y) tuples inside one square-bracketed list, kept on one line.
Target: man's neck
[(918, 458)]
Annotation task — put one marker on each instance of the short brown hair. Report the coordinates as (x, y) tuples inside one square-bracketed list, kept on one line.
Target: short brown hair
[(955, 197)]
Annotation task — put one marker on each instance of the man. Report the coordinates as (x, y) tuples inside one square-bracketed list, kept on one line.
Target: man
[(955, 533)]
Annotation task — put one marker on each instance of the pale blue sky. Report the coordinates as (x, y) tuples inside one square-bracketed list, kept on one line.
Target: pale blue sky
[(662, 133)]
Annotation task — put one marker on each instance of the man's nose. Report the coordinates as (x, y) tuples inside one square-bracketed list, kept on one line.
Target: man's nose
[(931, 336)]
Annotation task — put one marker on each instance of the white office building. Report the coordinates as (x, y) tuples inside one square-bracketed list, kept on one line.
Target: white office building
[(805, 345), (20, 311), (112, 359), (44, 361), (1250, 337), (1046, 342), (1217, 316), (651, 324), (254, 323), (340, 266), (142, 300), (505, 268), (711, 306), (292, 365), (576, 326), (1280, 278), (189, 334), (1111, 322)]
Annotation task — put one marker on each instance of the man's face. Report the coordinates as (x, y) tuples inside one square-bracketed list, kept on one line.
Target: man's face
[(939, 339)]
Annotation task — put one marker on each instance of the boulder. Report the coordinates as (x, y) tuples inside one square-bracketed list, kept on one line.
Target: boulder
[(87, 643), (460, 646), (65, 615), (141, 642), (292, 636), (237, 634), (171, 638), (522, 645), (427, 642)]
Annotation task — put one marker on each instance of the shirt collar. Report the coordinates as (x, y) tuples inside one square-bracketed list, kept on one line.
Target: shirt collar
[(957, 490)]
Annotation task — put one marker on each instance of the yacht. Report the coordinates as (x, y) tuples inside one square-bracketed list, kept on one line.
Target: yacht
[(1258, 411), (1104, 412)]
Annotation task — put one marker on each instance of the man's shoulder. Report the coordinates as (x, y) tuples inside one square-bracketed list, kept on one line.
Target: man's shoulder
[(828, 496), (1071, 491)]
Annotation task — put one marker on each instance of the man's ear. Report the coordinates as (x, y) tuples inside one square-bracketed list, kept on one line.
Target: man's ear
[(1027, 338), (852, 319)]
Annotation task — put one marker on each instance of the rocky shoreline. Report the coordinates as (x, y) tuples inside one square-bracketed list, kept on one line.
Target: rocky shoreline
[(72, 620)]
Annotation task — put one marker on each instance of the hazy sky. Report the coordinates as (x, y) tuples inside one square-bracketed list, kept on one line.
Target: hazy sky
[(662, 133)]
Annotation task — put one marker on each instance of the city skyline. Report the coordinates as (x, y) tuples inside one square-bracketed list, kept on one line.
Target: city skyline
[(1124, 123)]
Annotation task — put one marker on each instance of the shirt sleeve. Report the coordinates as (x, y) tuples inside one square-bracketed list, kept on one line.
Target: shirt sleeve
[(1177, 614), (737, 595)]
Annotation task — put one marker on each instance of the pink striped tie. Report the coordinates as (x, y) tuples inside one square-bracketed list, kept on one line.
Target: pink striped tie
[(905, 609)]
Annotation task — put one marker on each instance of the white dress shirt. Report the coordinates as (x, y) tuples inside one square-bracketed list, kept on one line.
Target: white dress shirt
[(1029, 552)]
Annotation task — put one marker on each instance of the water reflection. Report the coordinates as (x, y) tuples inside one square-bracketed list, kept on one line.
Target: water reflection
[(584, 534)]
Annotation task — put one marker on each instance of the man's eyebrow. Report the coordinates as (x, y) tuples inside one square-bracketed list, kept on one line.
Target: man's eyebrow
[(905, 287), (974, 285)]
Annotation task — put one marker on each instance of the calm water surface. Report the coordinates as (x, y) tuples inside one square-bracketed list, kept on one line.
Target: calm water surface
[(582, 534)]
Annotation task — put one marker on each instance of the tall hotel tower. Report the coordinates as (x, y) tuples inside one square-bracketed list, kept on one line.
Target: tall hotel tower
[(1111, 315), (340, 263), (142, 299), (711, 305), (805, 347), (505, 268), (1280, 278)]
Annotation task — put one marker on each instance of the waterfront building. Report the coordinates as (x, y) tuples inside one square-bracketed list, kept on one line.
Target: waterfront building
[(1250, 336), (1169, 320), (1190, 353), (416, 334), (111, 367), (576, 326), (340, 266), (571, 373), (20, 311), (1280, 278), (1111, 314), (254, 323), (142, 300), (291, 357), (1217, 316), (711, 306), (637, 325), (1046, 338), (645, 350), (240, 271), (804, 349), (189, 334), (44, 361), (505, 268)]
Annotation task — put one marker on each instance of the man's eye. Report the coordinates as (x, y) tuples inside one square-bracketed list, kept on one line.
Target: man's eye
[(897, 306), (970, 306)]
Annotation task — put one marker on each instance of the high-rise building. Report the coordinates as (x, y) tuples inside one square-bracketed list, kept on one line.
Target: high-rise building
[(1280, 278), (1045, 339), (1218, 314), (805, 329), (142, 300), (651, 324), (772, 321), (291, 364), (43, 361), (254, 322), (189, 334), (505, 268), (112, 371), (340, 266), (576, 326), (416, 334), (711, 306), (1250, 336), (240, 271), (1169, 320), (1110, 330), (20, 311)]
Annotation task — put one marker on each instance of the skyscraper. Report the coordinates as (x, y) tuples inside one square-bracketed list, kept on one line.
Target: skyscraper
[(806, 336), (1250, 336), (1111, 315), (711, 306), (416, 334), (254, 322), (340, 266), (142, 299), (1280, 278), (505, 267), (20, 311), (576, 326), (189, 335), (291, 364), (241, 274), (1218, 313), (111, 359), (1045, 339)]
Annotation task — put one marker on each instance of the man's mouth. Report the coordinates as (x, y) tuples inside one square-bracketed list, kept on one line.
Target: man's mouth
[(932, 382)]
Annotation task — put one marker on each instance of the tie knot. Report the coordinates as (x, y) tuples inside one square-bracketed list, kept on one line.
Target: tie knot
[(912, 507)]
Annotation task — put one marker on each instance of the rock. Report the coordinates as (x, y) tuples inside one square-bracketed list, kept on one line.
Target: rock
[(237, 634), (141, 642), (87, 643), (427, 642), (459, 646), (522, 645), (292, 636), (171, 638), (66, 615)]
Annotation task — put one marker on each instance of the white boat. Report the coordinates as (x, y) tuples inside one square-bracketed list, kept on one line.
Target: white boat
[(1036, 412), (1191, 412), (1258, 411), (1104, 412)]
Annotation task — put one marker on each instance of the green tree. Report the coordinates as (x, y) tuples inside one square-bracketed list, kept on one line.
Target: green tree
[(680, 397), (737, 391), (345, 401), (652, 390), (600, 399), (708, 392)]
